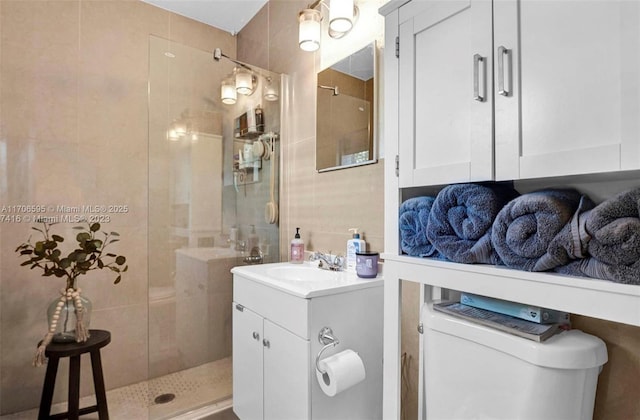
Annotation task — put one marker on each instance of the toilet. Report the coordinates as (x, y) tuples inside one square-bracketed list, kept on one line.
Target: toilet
[(475, 372)]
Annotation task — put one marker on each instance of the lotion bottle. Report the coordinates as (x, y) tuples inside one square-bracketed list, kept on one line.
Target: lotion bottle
[(297, 248), (354, 245)]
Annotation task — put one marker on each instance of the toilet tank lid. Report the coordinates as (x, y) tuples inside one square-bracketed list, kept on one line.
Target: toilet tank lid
[(571, 349)]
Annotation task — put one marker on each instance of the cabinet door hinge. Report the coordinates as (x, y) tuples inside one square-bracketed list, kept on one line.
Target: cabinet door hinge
[(397, 166), (421, 328), (398, 47)]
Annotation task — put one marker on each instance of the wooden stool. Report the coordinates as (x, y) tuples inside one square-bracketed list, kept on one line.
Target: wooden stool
[(54, 351)]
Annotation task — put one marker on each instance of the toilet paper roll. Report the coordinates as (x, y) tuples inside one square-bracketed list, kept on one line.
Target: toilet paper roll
[(343, 370)]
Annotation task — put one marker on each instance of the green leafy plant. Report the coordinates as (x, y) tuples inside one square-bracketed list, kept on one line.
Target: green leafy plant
[(89, 255)]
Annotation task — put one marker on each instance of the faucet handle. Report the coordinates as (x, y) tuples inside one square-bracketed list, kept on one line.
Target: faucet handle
[(339, 260)]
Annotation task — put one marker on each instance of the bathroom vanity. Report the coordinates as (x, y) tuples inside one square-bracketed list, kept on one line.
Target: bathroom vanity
[(278, 312)]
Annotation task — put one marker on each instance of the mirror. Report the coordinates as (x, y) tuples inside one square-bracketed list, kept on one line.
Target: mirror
[(345, 112)]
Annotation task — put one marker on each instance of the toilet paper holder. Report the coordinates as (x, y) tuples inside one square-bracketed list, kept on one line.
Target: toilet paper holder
[(325, 337)]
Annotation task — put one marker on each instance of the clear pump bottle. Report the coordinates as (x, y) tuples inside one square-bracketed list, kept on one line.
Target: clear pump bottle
[(354, 245)]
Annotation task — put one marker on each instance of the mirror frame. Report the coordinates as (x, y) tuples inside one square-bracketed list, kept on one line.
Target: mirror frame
[(374, 105)]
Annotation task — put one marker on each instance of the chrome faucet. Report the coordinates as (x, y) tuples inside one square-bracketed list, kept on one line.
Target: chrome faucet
[(327, 261), (255, 256)]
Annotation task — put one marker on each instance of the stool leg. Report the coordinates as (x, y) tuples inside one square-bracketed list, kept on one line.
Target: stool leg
[(98, 383), (74, 387), (47, 389)]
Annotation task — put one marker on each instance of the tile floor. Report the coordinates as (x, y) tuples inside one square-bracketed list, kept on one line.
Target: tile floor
[(193, 388)]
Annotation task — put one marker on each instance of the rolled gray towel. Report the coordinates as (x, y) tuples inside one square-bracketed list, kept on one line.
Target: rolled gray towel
[(614, 247), (526, 227)]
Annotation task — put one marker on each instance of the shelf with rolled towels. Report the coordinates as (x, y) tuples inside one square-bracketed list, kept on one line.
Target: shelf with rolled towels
[(551, 247)]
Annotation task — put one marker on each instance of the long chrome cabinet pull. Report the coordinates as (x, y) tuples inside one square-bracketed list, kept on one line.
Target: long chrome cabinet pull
[(479, 80), (504, 71)]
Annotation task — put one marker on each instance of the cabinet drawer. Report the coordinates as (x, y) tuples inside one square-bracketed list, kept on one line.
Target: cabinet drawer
[(281, 308)]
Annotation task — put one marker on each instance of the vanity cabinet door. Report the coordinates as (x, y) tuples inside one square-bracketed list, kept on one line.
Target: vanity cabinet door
[(445, 92), (247, 363), (286, 374), (571, 103)]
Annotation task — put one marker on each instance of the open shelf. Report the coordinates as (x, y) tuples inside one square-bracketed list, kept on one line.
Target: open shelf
[(579, 295)]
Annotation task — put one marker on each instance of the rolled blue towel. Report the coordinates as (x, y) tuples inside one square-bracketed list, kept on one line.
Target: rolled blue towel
[(614, 245), (527, 225), (461, 219), (414, 215)]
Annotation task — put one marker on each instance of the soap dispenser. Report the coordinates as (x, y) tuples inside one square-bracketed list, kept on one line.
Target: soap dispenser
[(297, 248), (354, 245)]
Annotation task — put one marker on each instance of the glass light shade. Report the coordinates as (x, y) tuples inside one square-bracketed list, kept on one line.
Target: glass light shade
[(309, 30), (270, 91), (228, 92), (244, 82), (341, 15)]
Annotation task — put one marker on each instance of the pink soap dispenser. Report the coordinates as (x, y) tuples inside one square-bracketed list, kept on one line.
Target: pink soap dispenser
[(297, 248)]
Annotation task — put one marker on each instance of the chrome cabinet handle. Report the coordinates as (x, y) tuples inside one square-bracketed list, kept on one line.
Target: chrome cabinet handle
[(266, 343), (504, 72), (256, 336), (479, 80)]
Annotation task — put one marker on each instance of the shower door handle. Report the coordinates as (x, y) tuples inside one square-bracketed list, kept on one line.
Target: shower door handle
[(256, 336)]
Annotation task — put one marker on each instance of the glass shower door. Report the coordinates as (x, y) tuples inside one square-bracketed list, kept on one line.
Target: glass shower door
[(208, 192)]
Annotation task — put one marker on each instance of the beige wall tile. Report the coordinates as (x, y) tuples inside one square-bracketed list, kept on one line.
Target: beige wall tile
[(74, 118), (326, 205)]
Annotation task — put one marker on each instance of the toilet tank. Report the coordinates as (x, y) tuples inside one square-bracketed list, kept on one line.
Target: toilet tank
[(475, 372)]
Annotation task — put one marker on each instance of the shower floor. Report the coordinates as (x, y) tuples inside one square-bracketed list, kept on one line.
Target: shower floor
[(193, 388)]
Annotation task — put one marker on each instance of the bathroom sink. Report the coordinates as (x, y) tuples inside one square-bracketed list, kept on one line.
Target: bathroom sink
[(304, 280), (300, 273)]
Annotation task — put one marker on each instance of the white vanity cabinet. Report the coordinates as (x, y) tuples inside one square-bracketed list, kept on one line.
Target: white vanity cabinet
[(275, 342), (270, 369), (516, 89)]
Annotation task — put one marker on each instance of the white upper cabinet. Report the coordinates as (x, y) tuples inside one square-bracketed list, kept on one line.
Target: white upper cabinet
[(445, 92), (517, 89), (570, 103)]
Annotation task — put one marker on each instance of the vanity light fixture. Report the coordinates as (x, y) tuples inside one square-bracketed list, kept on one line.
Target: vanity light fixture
[(270, 91), (343, 15), (228, 93), (309, 29), (245, 81), (242, 81)]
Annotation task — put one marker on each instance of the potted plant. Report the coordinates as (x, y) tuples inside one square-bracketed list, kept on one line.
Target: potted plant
[(69, 314)]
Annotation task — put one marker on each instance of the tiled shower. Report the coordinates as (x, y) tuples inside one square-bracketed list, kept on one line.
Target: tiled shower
[(89, 93)]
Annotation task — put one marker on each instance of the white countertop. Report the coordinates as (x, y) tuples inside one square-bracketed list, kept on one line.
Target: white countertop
[(292, 279)]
